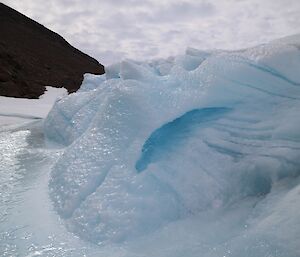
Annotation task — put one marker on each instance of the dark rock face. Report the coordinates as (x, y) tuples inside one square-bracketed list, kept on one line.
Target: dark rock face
[(32, 57)]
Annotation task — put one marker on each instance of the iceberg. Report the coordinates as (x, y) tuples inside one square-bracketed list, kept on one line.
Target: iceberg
[(201, 138)]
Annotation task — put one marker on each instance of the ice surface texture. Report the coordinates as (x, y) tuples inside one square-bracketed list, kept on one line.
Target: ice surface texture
[(157, 142)]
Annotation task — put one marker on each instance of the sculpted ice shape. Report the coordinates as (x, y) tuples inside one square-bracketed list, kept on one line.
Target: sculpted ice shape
[(159, 141)]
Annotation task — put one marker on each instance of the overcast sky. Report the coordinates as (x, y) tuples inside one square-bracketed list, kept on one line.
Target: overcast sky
[(110, 30)]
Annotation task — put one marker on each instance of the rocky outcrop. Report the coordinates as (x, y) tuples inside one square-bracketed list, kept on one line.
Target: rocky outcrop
[(32, 57)]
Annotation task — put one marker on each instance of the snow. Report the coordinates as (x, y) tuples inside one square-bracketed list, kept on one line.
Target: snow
[(20, 110), (197, 154)]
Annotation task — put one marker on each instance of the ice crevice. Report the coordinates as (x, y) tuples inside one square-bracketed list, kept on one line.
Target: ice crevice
[(161, 141), (174, 132)]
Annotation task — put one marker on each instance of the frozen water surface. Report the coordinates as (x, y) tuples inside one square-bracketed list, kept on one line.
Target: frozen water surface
[(28, 225), (196, 155)]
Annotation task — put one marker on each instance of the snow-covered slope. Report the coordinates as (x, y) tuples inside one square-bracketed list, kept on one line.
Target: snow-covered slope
[(18, 110), (200, 151)]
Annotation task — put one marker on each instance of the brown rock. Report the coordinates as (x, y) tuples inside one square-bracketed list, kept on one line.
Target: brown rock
[(4, 75), (32, 57)]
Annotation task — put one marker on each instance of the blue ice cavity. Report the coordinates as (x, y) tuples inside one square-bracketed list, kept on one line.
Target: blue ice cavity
[(163, 141), (172, 133)]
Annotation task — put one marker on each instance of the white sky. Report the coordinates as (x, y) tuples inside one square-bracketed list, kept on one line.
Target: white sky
[(110, 30)]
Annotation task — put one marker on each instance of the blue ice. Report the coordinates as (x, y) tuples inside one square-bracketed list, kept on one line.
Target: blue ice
[(196, 155)]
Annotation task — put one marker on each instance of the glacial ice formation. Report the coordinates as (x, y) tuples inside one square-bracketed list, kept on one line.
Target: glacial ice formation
[(157, 142)]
